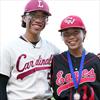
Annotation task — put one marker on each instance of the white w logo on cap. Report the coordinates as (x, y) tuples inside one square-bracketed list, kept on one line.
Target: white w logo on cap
[(69, 20), (40, 4)]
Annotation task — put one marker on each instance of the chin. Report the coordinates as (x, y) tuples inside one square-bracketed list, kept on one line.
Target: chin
[(73, 47), (35, 31)]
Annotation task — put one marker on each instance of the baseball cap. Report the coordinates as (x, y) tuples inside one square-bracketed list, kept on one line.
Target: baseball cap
[(37, 5), (72, 21)]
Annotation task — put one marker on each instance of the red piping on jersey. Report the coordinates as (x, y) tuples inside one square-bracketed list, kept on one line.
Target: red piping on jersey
[(86, 62)]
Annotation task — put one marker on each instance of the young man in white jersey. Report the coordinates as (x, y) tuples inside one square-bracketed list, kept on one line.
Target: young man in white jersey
[(25, 64)]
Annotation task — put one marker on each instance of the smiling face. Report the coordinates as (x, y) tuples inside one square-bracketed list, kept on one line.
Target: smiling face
[(35, 21), (73, 38)]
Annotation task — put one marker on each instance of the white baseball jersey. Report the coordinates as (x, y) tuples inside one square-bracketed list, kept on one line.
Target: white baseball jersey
[(28, 69)]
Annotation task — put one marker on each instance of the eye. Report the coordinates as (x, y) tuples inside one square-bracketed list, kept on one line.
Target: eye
[(76, 32), (65, 34)]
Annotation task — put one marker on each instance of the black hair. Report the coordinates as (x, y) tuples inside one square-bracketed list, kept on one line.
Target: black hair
[(23, 23)]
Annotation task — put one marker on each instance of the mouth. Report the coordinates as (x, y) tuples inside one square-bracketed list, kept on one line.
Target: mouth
[(37, 26), (72, 43)]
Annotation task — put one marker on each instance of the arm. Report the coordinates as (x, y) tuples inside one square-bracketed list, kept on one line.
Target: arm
[(3, 84), (97, 83)]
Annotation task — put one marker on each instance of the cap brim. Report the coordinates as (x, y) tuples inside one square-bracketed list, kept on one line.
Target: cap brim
[(71, 27), (49, 14)]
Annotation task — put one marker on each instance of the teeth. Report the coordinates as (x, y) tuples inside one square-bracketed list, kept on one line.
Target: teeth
[(36, 25), (72, 42)]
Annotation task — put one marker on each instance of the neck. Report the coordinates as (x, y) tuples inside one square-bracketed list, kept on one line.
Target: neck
[(31, 37), (76, 53)]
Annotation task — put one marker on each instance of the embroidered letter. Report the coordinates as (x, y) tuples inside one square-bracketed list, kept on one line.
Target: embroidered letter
[(40, 4)]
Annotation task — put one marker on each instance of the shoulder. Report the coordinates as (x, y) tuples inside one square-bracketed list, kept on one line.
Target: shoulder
[(11, 42), (91, 57), (48, 43), (60, 57), (50, 46), (59, 60), (7, 47)]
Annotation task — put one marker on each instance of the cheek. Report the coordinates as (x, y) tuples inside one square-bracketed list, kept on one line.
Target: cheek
[(65, 40), (28, 22), (81, 37), (44, 24)]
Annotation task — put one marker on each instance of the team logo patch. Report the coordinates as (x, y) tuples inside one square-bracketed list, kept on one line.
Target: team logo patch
[(69, 20), (27, 67), (66, 82)]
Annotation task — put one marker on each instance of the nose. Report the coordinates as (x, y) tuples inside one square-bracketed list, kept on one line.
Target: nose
[(71, 37), (39, 19)]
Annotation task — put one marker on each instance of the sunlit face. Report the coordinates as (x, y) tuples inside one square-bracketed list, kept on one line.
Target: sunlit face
[(35, 21), (73, 38)]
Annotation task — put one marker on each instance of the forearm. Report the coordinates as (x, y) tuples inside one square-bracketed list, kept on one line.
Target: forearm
[(3, 84)]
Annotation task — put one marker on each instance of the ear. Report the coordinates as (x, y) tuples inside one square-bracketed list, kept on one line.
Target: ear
[(26, 20), (84, 36), (23, 18)]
